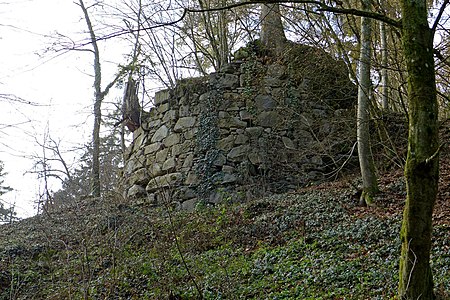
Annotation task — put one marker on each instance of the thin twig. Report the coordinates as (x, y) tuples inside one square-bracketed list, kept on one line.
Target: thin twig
[(427, 161)]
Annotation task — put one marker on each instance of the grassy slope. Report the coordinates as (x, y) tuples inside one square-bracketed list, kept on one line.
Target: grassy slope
[(311, 244)]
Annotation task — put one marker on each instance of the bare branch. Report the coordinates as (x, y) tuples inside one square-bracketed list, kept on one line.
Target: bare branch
[(322, 7), (440, 56), (13, 98), (361, 13), (439, 16), (4, 126), (114, 81)]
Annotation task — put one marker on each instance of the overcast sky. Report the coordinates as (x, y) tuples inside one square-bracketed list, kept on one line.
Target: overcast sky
[(60, 86)]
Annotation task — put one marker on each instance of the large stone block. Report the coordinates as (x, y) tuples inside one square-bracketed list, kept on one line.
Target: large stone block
[(154, 169), (170, 115), (169, 164), (184, 111), (277, 71), (190, 134), (254, 132), (164, 181), (265, 102), (133, 164), (238, 153), (188, 161), (138, 132), (231, 102), (231, 122), (226, 143), (153, 124), (139, 140), (255, 158), (229, 175), (204, 97), (160, 134), (189, 205), (136, 191), (184, 193), (140, 177), (177, 149), (269, 119), (230, 68), (220, 160), (241, 139), (229, 178), (161, 155), (152, 148), (162, 108), (171, 140), (191, 179), (184, 123), (224, 80), (162, 97), (245, 115)]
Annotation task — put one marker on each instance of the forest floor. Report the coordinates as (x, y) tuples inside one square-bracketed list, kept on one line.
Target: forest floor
[(314, 243)]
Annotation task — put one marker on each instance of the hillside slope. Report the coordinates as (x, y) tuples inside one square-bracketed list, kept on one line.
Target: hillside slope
[(315, 243)]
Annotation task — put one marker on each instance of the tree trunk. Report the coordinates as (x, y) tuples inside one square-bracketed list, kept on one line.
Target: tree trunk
[(223, 37), (131, 113), (367, 166), (422, 164), (384, 71), (272, 31), (95, 177), (99, 95)]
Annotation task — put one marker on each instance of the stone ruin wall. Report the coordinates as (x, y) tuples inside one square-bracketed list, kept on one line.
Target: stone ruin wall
[(255, 127)]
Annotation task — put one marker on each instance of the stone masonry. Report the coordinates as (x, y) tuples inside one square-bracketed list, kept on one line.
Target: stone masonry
[(260, 125)]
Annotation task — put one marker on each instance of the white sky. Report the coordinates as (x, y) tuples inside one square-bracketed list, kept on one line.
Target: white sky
[(62, 85)]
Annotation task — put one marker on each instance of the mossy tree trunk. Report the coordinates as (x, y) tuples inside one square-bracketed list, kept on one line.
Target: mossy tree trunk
[(367, 165), (421, 170), (272, 30)]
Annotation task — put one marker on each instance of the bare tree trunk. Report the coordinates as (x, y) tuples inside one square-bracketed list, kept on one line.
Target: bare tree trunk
[(367, 166), (132, 109), (95, 176), (272, 30), (99, 96), (384, 71), (422, 164), (223, 36)]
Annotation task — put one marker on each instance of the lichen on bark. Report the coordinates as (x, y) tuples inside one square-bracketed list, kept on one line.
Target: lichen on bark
[(422, 165)]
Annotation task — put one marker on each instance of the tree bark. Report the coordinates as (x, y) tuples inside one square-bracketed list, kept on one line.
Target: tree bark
[(422, 164), (384, 70), (95, 173), (223, 37), (99, 95), (367, 166), (95, 177), (132, 109), (272, 30)]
